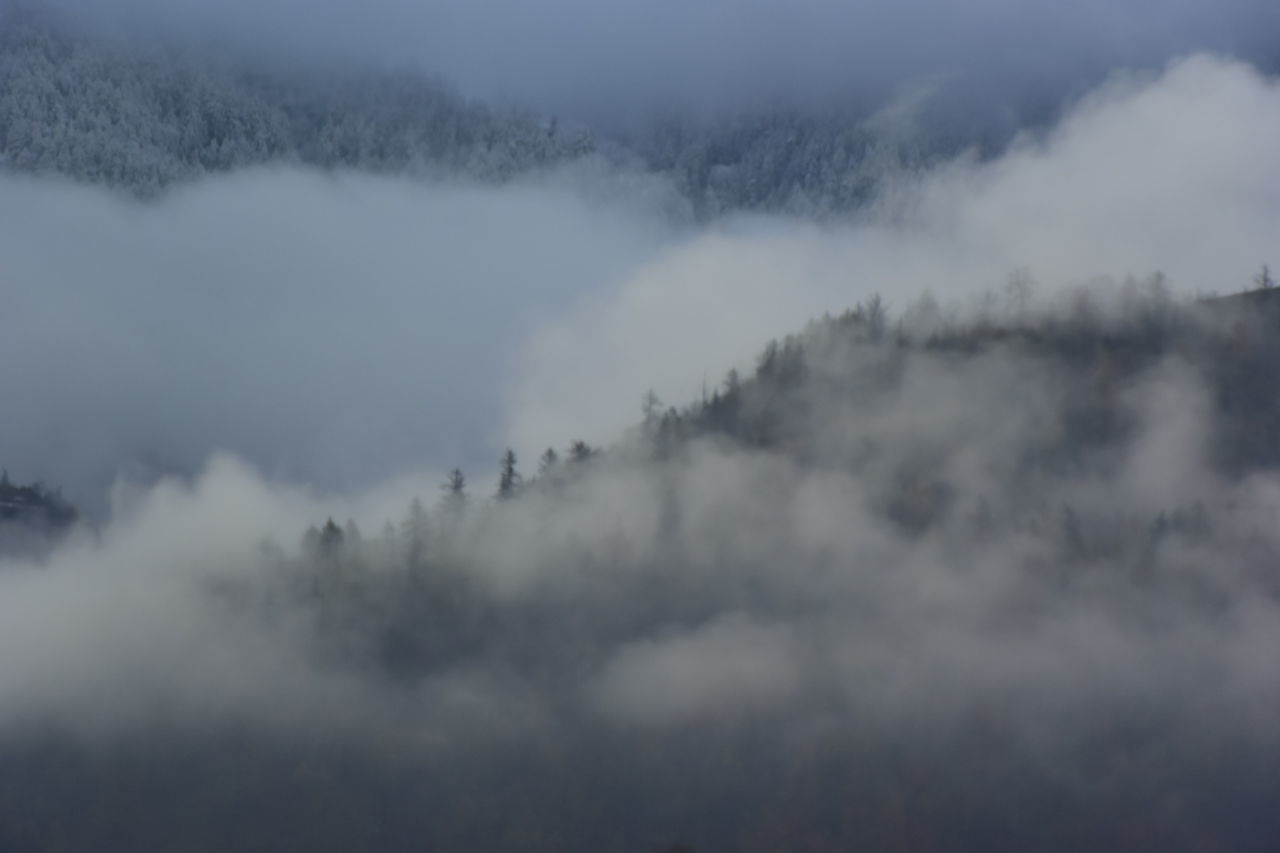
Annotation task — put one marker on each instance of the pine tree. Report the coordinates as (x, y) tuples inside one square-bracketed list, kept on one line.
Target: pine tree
[(1263, 279), (508, 477), (547, 464), (455, 494), (416, 528), (330, 539), (651, 410)]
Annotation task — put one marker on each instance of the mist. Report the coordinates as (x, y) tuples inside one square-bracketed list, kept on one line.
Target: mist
[(183, 604), (929, 573), (332, 329), (339, 329), (1171, 173), (936, 511)]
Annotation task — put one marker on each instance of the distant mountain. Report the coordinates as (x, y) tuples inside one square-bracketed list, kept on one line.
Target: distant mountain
[(144, 117)]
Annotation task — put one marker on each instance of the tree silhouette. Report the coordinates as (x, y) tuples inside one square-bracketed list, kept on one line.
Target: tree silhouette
[(331, 538), (455, 494), (508, 477), (415, 527), (1263, 279)]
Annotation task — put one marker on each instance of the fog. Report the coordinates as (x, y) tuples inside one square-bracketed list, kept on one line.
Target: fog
[(334, 330), (997, 571), (337, 330), (735, 584), (1171, 173), (728, 607), (629, 58)]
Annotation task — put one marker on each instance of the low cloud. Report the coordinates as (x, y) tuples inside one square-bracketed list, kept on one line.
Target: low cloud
[(333, 329), (1171, 173), (934, 577), (728, 586), (730, 665)]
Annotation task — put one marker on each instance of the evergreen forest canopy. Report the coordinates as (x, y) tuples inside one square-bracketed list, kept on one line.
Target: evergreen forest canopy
[(106, 110), (967, 562)]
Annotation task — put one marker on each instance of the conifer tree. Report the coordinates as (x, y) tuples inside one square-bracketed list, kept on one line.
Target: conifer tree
[(508, 477), (455, 494)]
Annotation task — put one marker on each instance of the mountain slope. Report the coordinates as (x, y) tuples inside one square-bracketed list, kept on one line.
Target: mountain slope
[(143, 118), (115, 113), (997, 583)]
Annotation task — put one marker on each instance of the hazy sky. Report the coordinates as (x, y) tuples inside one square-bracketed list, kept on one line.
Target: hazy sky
[(624, 56)]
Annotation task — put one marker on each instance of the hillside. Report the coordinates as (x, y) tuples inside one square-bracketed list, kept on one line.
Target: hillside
[(334, 320), (1089, 486), (147, 117)]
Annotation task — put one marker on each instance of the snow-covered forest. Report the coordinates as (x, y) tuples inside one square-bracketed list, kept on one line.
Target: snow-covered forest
[(99, 110), (142, 118)]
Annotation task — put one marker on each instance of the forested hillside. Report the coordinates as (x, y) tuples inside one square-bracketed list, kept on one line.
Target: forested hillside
[(334, 320), (921, 581), (144, 117)]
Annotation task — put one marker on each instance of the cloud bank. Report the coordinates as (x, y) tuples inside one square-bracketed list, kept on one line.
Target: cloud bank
[(1172, 173), (727, 584), (337, 330), (1004, 589)]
